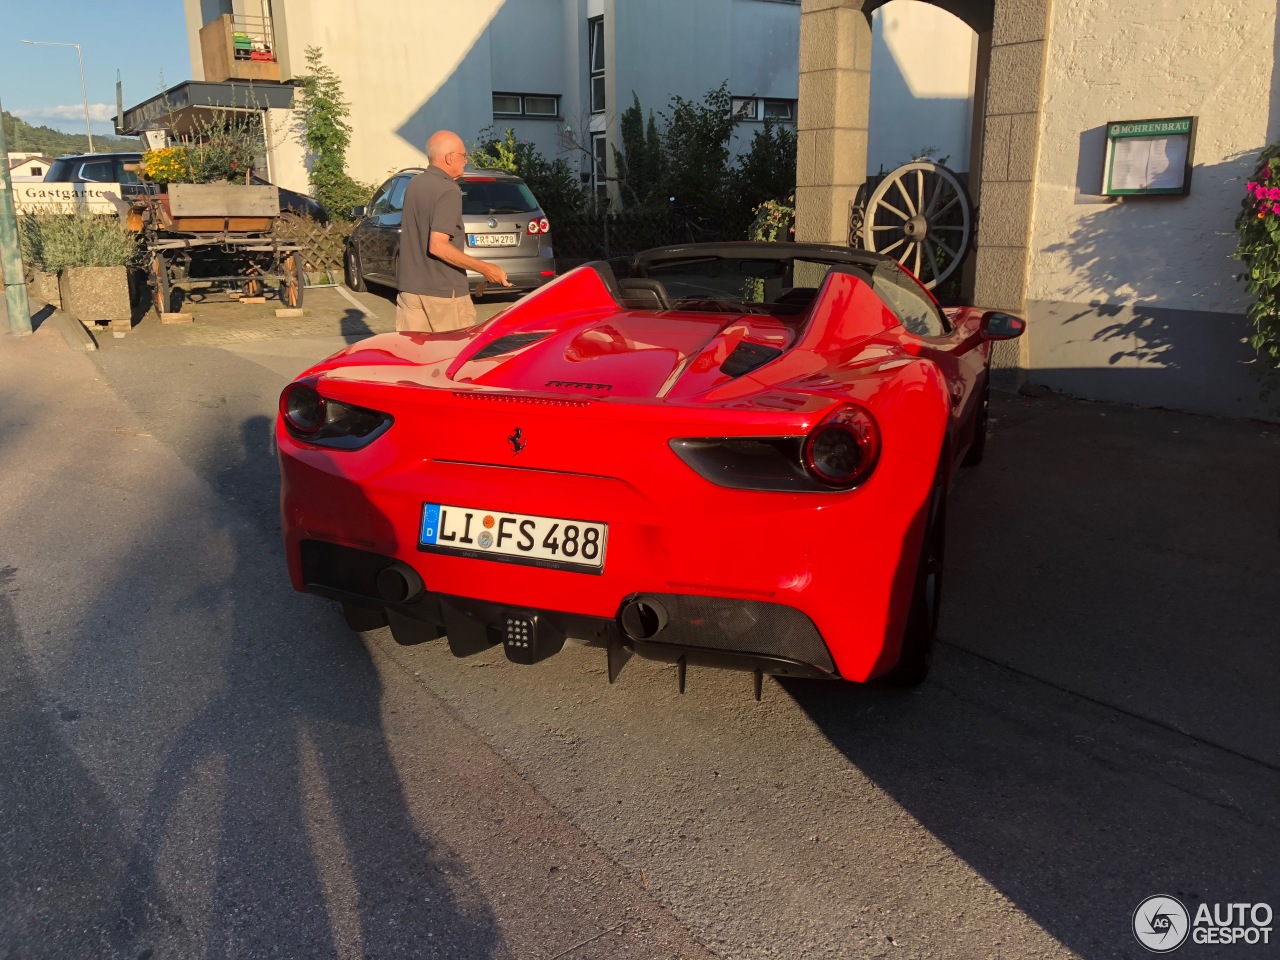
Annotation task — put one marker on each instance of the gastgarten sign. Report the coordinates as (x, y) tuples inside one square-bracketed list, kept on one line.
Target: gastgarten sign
[(66, 197)]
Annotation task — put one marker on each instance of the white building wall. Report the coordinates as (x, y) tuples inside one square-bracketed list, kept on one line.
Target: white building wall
[(407, 68), (923, 62), (1136, 299)]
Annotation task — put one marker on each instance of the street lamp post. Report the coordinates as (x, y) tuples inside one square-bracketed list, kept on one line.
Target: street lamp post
[(83, 90)]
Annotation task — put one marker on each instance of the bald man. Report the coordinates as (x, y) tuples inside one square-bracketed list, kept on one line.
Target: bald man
[(432, 271)]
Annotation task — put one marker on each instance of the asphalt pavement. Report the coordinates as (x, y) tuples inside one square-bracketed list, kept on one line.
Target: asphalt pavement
[(200, 762)]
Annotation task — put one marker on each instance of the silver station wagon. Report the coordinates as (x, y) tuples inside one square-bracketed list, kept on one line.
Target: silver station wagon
[(501, 220)]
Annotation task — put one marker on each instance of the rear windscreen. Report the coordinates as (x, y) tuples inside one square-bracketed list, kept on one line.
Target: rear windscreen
[(482, 197)]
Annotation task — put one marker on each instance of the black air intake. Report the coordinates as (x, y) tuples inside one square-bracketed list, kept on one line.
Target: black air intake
[(512, 341)]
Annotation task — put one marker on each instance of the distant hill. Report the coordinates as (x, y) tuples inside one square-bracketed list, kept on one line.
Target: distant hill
[(20, 135)]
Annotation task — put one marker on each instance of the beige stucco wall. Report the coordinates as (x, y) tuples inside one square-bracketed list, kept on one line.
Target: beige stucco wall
[(1136, 300), (1149, 58)]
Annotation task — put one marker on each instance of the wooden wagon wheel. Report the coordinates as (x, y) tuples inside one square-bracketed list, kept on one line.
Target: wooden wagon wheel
[(291, 288), (160, 289), (920, 215)]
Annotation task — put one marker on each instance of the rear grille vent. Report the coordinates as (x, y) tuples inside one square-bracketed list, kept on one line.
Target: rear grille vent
[(512, 341), (747, 356), (533, 401)]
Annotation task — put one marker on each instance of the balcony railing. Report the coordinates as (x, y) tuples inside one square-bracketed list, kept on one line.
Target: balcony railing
[(239, 48), (253, 38)]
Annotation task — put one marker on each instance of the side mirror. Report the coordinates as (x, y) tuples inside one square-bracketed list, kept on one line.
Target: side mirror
[(357, 213), (1001, 326)]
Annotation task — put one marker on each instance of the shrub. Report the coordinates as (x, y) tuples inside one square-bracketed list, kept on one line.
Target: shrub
[(556, 187), (1258, 227), (322, 114), (54, 241), (773, 221)]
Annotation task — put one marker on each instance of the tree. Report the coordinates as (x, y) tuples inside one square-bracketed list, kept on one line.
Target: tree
[(553, 183), (322, 116), (768, 169), (696, 145), (640, 162)]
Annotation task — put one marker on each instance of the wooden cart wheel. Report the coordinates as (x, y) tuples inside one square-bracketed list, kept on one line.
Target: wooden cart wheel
[(920, 215), (161, 292), (253, 288), (291, 289)]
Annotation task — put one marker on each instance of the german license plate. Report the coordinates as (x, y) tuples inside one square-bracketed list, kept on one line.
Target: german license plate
[(492, 239), (514, 537)]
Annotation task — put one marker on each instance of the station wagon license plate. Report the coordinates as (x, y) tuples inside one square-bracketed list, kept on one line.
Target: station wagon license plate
[(492, 239), (514, 537)]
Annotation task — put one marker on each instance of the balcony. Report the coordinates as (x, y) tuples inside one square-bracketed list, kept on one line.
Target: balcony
[(239, 48)]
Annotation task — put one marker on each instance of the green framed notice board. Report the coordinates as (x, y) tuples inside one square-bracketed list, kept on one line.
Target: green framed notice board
[(1149, 158)]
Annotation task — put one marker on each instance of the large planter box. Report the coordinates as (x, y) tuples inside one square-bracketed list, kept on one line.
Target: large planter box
[(96, 293), (219, 207), (44, 286)]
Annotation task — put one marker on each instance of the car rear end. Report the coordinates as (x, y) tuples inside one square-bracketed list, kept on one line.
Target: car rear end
[(504, 224), (524, 518)]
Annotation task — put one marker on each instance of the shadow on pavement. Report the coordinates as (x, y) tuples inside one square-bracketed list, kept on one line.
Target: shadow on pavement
[(275, 823), (1101, 723)]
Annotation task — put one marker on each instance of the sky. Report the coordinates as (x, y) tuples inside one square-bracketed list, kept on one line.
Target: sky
[(145, 40)]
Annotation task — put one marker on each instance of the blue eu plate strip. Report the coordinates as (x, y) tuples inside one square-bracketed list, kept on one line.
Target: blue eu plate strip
[(430, 523)]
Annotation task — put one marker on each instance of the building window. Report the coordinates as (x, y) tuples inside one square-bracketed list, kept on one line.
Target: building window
[(758, 108), (595, 58), (37, 171), (526, 105), (599, 166)]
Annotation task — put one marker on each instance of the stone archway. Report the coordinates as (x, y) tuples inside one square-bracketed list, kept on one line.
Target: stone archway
[(835, 88)]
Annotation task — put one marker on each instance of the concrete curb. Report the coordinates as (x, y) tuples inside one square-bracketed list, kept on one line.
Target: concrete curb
[(73, 331)]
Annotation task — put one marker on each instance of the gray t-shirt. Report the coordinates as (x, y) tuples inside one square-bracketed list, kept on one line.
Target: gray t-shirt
[(432, 203)]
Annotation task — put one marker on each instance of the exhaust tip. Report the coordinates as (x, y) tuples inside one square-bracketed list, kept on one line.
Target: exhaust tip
[(399, 583), (643, 619)]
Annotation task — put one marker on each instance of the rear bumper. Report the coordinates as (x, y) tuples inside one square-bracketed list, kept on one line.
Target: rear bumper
[(747, 635), (524, 273)]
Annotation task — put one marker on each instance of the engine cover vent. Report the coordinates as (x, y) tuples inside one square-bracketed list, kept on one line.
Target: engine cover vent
[(512, 341)]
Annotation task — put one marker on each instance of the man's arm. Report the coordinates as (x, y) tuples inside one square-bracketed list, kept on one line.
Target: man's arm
[(441, 248)]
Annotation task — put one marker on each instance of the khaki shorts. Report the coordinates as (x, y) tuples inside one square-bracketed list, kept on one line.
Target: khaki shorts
[(433, 314)]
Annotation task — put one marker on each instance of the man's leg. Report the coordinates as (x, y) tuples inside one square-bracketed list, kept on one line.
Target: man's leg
[(411, 313), (449, 313)]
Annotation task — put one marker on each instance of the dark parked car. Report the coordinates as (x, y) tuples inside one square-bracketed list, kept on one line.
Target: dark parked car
[(110, 168), (501, 218)]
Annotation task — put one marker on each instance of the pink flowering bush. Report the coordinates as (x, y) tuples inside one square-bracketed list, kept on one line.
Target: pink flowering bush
[(1258, 228), (774, 220)]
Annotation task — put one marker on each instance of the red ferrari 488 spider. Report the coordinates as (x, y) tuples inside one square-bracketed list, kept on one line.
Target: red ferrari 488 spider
[(737, 454)]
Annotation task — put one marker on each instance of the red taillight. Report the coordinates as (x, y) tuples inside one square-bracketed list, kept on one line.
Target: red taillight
[(302, 407), (534, 228), (843, 449), (548, 273), (544, 225)]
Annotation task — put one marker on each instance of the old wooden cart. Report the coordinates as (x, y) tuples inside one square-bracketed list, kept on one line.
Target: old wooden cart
[(201, 234)]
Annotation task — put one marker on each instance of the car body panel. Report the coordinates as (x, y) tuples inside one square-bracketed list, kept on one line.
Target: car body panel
[(594, 404)]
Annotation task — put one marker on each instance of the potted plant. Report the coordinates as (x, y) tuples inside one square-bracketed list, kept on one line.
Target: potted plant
[(204, 181), (91, 256)]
